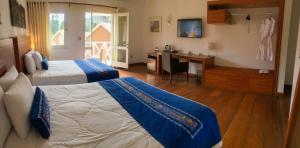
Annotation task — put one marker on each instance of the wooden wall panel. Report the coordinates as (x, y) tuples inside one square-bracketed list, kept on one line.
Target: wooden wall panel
[(6, 55), (239, 79), (21, 47)]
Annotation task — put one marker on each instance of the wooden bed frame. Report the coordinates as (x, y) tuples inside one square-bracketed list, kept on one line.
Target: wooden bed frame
[(6, 55), (12, 51)]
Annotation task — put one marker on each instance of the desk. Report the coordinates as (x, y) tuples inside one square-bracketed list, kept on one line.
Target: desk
[(206, 61)]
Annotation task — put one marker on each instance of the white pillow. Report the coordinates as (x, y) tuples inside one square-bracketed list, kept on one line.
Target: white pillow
[(8, 78), (18, 100), (38, 60), (5, 125), (29, 63)]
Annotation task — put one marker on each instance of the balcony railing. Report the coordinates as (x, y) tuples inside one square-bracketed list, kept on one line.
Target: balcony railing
[(99, 50)]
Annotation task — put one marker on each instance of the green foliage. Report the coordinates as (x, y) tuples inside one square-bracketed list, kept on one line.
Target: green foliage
[(56, 23)]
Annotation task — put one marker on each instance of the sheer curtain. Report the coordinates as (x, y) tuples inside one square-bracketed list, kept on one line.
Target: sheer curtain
[(38, 24)]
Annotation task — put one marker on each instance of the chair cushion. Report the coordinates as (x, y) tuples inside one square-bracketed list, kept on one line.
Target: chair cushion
[(8, 78), (40, 113), (4, 121), (18, 101)]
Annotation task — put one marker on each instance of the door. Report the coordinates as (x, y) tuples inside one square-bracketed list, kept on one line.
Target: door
[(293, 127), (98, 36), (121, 40)]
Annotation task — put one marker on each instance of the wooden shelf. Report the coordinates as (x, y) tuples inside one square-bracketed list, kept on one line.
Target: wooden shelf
[(218, 16), (217, 9), (229, 4), (239, 79)]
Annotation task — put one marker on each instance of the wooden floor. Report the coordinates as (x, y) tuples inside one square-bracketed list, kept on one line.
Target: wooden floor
[(245, 120)]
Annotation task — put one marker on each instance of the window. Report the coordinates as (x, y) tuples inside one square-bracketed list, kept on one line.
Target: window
[(98, 32), (57, 27)]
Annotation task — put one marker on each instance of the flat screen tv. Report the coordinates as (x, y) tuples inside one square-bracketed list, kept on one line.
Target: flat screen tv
[(189, 28)]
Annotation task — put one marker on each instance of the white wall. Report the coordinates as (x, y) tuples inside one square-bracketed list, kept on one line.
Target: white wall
[(6, 30), (284, 46), (74, 48), (74, 28), (292, 41), (234, 45)]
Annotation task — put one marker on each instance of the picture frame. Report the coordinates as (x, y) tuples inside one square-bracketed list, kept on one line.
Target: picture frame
[(155, 25), (17, 14)]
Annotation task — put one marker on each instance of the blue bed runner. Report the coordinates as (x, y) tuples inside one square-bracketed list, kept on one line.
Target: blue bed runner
[(172, 120), (97, 71)]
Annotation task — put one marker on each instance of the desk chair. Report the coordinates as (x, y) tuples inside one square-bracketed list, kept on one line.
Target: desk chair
[(173, 66)]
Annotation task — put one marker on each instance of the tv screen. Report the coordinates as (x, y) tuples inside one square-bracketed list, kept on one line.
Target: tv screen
[(189, 28)]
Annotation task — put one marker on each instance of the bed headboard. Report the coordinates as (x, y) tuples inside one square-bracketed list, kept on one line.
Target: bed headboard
[(12, 51), (21, 47), (7, 57)]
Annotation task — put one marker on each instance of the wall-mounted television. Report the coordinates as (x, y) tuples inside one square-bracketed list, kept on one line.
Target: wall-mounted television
[(189, 28)]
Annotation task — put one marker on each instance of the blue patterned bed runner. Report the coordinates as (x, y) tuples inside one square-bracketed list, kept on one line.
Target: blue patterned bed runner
[(172, 120), (97, 71)]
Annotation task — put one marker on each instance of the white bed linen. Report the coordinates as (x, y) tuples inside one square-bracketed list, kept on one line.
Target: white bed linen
[(59, 73), (85, 115)]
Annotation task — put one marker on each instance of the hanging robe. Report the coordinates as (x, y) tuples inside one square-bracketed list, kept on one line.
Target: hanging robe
[(265, 51)]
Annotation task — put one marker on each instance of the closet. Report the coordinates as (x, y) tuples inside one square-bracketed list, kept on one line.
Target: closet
[(235, 78)]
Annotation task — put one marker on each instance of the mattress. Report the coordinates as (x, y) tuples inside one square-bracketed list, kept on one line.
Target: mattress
[(74, 72), (85, 115), (59, 73)]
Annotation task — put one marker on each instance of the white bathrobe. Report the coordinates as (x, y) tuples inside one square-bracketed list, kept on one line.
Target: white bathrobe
[(265, 52)]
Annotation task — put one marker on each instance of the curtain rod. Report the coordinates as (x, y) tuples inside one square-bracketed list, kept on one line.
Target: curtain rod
[(83, 4)]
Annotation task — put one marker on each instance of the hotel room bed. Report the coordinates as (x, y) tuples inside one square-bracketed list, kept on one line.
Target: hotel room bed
[(73, 72), (13, 51), (123, 112)]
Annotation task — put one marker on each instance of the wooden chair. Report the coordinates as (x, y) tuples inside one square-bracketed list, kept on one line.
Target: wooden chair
[(173, 66)]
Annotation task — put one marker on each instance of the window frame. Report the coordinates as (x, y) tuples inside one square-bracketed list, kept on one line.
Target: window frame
[(64, 30)]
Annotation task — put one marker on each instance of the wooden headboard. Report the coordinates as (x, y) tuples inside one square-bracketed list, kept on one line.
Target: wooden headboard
[(21, 47), (12, 51), (7, 57)]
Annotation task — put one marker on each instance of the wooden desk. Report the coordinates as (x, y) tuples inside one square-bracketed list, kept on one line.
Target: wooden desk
[(206, 61)]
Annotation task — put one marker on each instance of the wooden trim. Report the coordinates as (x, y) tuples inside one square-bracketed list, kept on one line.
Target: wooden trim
[(2, 69), (293, 116), (21, 47), (278, 47), (6, 55), (74, 3), (231, 4)]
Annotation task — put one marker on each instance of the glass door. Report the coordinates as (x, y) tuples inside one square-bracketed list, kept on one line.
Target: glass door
[(98, 36), (121, 40)]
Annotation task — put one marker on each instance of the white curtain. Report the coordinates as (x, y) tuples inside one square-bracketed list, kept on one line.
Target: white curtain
[(38, 24)]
